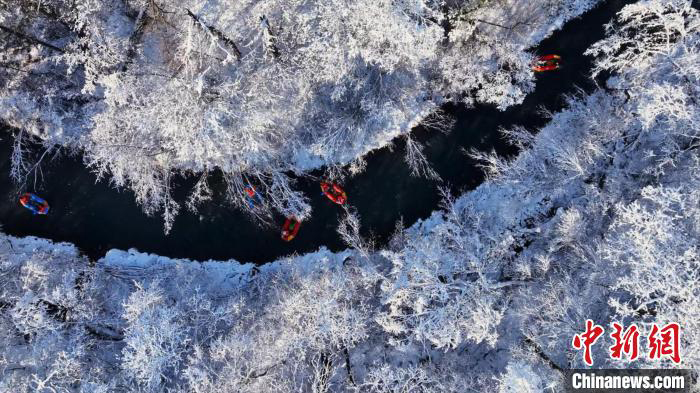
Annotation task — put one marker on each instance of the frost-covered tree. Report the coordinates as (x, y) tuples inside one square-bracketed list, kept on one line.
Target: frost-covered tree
[(48, 317), (521, 378), (302, 337), (654, 242), (154, 338)]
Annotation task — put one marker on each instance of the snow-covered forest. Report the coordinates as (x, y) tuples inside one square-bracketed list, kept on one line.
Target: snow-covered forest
[(598, 217), (256, 89)]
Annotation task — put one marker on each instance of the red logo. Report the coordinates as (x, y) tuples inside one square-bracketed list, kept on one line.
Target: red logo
[(669, 343), (586, 340), (627, 343), (663, 342)]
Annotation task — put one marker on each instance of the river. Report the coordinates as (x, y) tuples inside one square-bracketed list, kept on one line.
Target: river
[(96, 217)]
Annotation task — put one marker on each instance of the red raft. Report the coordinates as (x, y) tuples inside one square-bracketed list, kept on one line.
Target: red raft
[(34, 203), (546, 63), (334, 193), (290, 229)]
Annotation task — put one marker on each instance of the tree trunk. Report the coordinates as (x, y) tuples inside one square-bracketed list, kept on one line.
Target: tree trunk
[(217, 33), (348, 367), (270, 38), (30, 38)]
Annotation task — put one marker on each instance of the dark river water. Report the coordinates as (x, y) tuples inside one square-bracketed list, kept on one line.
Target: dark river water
[(96, 217)]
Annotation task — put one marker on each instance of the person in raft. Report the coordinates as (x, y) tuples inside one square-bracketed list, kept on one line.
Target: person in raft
[(290, 229), (334, 192), (252, 197), (546, 63)]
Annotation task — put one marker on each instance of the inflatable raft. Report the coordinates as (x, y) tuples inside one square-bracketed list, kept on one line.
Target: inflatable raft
[(34, 203), (334, 193), (546, 63), (290, 229), (253, 197)]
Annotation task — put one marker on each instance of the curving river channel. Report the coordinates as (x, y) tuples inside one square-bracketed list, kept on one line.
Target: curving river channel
[(97, 218)]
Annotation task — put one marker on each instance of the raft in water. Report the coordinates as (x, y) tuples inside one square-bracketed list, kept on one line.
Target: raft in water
[(290, 229), (334, 193), (34, 203), (252, 197), (546, 63)]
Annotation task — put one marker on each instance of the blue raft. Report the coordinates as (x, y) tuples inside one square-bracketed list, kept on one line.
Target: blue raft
[(34, 203)]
